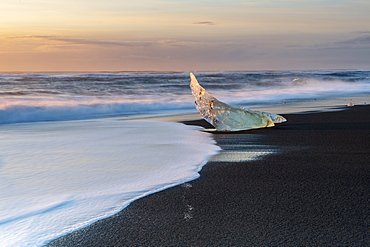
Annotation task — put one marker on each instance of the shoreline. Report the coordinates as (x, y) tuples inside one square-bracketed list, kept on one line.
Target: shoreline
[(294, 106), (313, 189)]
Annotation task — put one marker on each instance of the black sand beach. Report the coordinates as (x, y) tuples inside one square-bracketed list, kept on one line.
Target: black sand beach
[(313, 191)]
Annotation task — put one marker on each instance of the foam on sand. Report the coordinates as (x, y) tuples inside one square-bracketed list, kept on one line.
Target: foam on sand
[(61, 176)]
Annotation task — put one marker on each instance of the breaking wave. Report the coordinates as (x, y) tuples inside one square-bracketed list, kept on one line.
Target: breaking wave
[(55, 109), (26, 97)]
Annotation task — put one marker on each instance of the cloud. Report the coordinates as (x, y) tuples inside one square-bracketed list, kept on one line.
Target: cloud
[(362, 32), (293, 46), (76, 41), (361, 40), (73, 45), (209, 23), (103, 42)]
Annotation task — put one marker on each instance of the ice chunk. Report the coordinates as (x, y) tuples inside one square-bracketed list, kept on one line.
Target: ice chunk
[(298, 82), (225, 117)]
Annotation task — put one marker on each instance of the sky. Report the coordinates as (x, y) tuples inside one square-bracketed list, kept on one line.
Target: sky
[(180, 35)]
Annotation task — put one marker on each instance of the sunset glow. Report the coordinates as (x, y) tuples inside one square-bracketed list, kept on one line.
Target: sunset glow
[(92, 35)]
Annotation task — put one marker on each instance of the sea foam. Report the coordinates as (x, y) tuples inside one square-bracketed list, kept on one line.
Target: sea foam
[(56, 108), (74, 96), (57, 177)]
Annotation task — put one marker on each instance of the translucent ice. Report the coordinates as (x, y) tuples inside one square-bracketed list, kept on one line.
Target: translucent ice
[(225, 117), (298, 82)]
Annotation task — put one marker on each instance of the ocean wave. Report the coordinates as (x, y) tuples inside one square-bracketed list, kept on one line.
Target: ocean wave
[(25, 75), (13, 215), (59, 110), (30, 97)]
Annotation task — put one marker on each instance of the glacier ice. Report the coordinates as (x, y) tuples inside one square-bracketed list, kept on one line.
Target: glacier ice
[(298, 82), (229, 118)]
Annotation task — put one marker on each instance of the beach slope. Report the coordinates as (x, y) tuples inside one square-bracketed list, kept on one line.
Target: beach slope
[(312, 190)]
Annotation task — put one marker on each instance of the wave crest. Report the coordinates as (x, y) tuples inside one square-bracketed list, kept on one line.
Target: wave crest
[(54, 109)]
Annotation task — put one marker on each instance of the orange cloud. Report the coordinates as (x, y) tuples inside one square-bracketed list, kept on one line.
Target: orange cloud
[(210, 23)]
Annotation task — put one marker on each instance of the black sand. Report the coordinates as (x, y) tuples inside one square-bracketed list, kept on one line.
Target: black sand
[(313, 192)]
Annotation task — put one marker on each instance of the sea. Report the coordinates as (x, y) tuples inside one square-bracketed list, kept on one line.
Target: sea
[(77, 147)]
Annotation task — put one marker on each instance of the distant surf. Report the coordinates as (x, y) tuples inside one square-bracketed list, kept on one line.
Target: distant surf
[(69, 96)]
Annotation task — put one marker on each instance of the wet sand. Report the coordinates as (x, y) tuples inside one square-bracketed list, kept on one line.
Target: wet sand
[(313, 189)]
